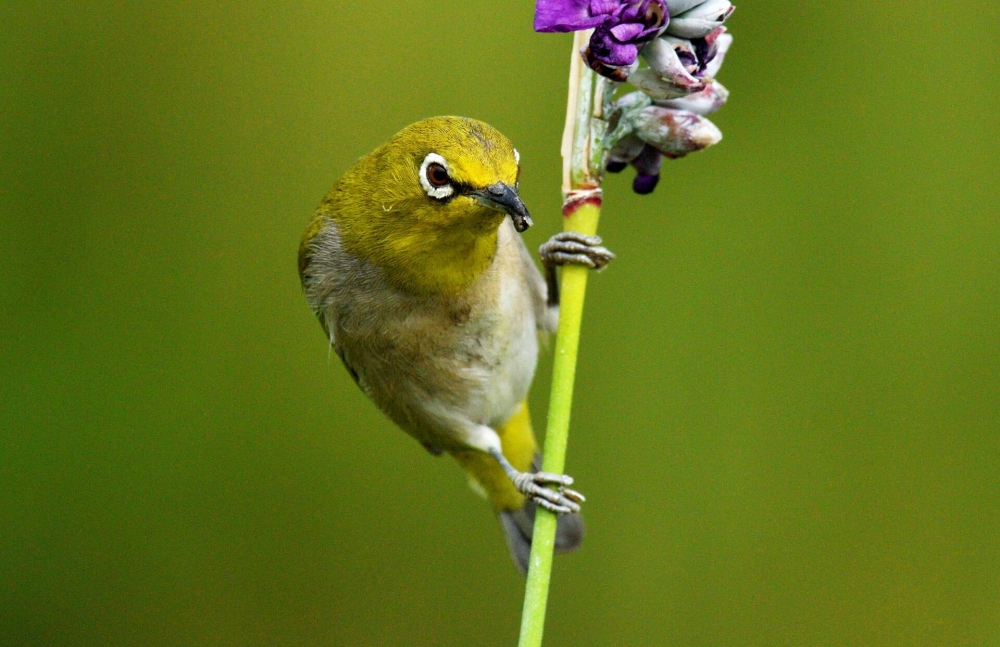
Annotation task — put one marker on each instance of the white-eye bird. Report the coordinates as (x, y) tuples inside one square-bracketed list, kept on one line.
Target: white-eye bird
[(415, 268)]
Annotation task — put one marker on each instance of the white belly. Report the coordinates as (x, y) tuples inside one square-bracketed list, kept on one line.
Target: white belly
[(439, 368), (517, 354)]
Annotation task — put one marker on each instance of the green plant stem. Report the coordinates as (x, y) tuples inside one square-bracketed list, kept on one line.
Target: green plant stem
[(581, 212)]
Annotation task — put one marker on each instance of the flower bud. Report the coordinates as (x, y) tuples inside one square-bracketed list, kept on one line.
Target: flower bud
[(627, 149), (632, 101), (702, 20), (666, 77), (706, 102), (664, 57), (713, 10), (660, 88), (647, 167), (644, 184), (719, 48), (675, 133), (677, 7)]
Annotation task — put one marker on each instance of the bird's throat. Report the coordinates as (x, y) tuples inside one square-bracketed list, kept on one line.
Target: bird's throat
[(445, 264), (429, 259)]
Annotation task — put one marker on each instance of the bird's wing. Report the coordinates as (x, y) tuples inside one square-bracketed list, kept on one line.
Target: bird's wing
[(317, 270)]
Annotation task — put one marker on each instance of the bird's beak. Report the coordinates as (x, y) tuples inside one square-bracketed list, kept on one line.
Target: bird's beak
[(503, 197)]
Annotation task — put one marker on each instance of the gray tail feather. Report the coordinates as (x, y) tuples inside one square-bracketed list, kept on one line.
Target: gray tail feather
[(517, 526)]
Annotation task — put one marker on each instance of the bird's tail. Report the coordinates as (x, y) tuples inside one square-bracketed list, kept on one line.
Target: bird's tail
[(517, 526), (516, 512)]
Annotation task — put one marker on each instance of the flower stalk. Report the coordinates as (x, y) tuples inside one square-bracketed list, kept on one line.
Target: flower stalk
[(681, 44), (584, 155)]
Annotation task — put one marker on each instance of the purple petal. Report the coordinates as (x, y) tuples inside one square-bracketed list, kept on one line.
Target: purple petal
[(649, 33), (565, 15), (649, 13), (625, 33), (602, 7), (617, 73), (606, 50), (631, 12), (621, 55), (648, 161)]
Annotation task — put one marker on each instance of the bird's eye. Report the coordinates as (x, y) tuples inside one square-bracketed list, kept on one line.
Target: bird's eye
[(654, 14), (437, 175), (434, 177)]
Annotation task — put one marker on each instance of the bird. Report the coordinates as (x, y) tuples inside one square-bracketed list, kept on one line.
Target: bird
[(414, 265)]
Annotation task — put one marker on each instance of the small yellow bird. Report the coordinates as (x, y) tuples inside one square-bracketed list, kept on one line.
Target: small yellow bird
[(429, 297)]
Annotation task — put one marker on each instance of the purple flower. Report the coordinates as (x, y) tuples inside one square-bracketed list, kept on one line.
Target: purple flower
[(683, 44), (621, 28)]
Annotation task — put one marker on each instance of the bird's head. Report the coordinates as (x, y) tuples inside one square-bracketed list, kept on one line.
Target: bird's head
[(427, 205), (452, 172)]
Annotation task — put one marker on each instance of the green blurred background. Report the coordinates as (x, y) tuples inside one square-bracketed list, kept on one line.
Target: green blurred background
[(788, 409)]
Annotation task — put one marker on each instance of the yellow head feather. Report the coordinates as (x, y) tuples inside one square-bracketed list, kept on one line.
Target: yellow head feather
[(426, 238)]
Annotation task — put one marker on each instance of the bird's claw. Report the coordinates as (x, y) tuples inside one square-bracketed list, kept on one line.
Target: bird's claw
[(572, 248), (561, 500)]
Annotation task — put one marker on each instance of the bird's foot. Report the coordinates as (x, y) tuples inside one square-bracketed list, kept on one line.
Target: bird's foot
[(572, 248), (561, 500)]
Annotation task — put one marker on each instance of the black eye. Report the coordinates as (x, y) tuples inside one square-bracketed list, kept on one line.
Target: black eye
[(437, 175), (654, 14)]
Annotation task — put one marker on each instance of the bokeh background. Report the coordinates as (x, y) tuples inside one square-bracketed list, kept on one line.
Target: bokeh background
[(787, 417)]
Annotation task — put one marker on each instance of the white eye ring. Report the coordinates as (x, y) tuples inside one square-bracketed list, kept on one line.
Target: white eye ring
[(437, 192), (517, 157)]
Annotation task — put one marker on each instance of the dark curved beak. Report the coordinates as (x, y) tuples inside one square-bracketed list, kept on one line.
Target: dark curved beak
[(503, 197)]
